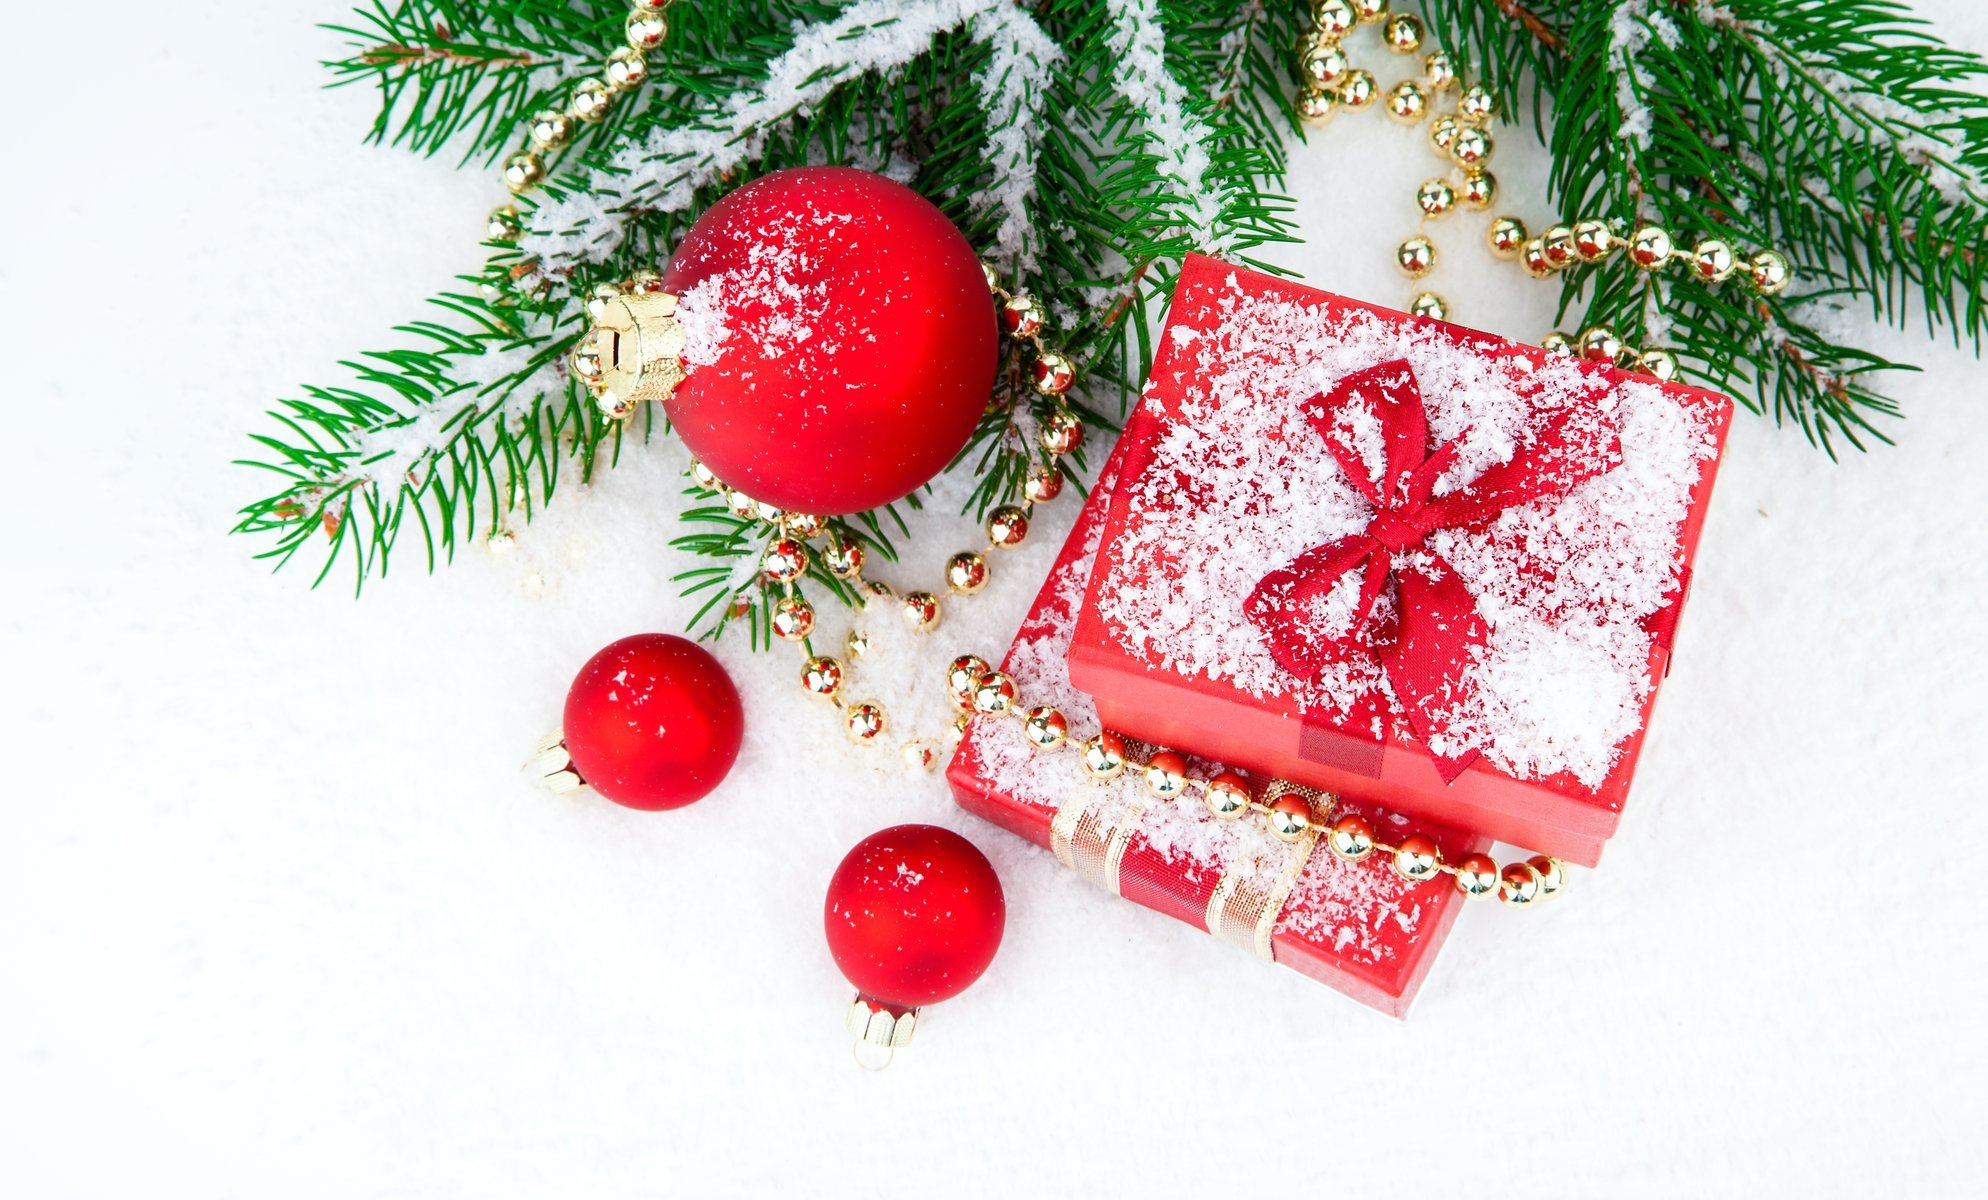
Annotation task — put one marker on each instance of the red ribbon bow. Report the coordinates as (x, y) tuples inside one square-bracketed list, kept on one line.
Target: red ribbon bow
[(1434, 631)]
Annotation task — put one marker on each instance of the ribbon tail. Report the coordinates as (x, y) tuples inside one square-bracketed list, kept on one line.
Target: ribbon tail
[(1439, 638), (1281, 605)]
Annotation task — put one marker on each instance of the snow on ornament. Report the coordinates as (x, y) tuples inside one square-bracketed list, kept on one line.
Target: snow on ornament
[(826, 337)]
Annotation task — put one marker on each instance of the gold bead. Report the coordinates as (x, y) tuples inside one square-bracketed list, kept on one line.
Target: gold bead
[(1321, 64), (646, 28), (963, 675), (802, 525), (1649, 247), (1506, 236), (865, 722), (1053, 373), (991, 274), (741, 605), (1557, 343), (587, 363), (1104, 756), (523, 171), (1369, 10), (1357, 89), (1402, 33), (1476, 104), (1315, 107), (786, 559), (591, 99), (1044, 484), (1166, 774), (1557, 244), (994, 693), (793, 618), (1062, 432), (1471, 146), (1532, 256), (1660, 363), (627, 69), (1435, 197), (1552, 875), (1439, 71), (822, 676), (1290, 816), (1418, 858), (857, 643), (504, 225), (1442, 133), (1430, 306), (1351, 837), (1227, 795), (768, 513), (843, 557), (1046, 728), (597, 299), (1477, 877), (1480, 188), (549, 130), (1768, 271), (1416, 256), (1021, 316), (875, 591), (1712, 261), (1332, 18), (919, 755), (1593, 240), (1518, 885), (966, 572), (957, 730), (1406, 102), (921, 611), (1599, 344), (1007, 526)]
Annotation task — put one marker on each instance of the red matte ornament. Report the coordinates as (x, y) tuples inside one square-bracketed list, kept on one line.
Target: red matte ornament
[(850, 338), (653, 722), (914, 915)]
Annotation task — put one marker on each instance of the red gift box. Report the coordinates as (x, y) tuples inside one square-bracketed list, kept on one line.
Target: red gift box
[(1396, 560), (1357, 927)]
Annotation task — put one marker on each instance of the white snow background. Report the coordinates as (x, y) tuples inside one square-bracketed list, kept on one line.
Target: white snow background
[(279, 916)]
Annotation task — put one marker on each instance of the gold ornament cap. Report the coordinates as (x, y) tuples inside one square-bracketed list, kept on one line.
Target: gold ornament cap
[(640, 346), (874, 1025)]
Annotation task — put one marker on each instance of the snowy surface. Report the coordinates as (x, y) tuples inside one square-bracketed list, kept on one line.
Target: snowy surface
[(281, 919)]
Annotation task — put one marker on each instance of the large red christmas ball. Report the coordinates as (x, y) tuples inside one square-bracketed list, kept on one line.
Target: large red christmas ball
[(914, 915), (841, 339), (653, 722)]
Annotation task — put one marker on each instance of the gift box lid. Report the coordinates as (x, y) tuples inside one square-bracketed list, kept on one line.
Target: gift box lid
[(1560, 504), (1357, 927)]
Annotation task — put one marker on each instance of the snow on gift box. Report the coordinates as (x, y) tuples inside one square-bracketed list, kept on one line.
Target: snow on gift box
[(1355, 926), (1396, 560)]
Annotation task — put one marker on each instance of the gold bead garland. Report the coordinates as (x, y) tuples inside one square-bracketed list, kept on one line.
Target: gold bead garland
[(976, 690), (626, 69), (792, 548), (1330, 80)]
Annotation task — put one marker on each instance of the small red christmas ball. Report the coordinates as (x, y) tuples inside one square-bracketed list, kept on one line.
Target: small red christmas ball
[(653, 722), (914, 915), (840, 339)]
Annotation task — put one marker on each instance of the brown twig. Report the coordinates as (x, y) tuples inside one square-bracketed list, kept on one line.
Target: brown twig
[(394, 53), (1538, 28)]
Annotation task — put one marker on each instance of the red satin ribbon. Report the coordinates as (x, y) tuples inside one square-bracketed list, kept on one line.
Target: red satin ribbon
[(1433, 631)]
